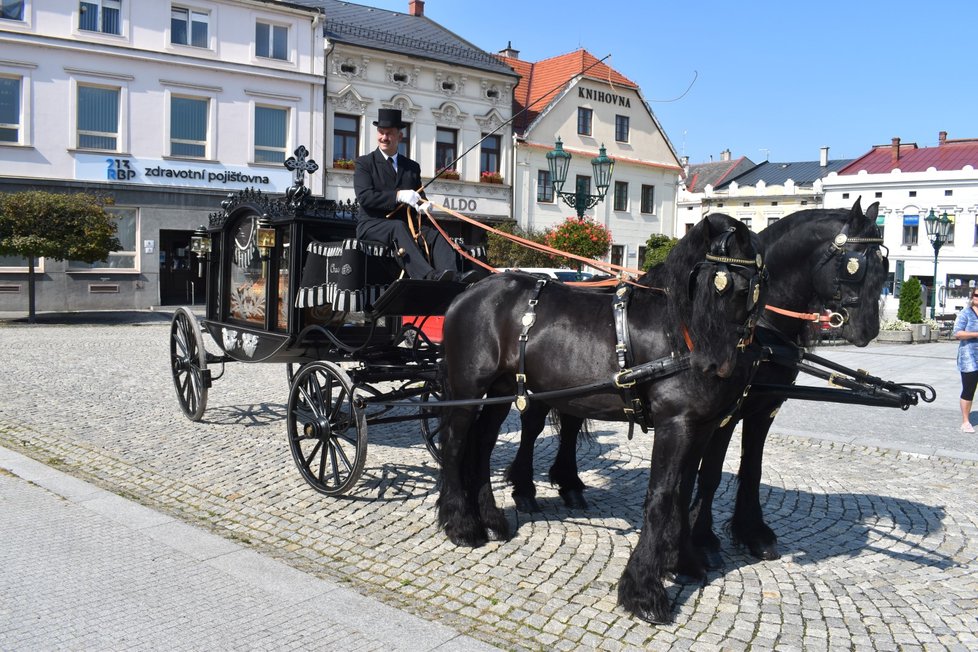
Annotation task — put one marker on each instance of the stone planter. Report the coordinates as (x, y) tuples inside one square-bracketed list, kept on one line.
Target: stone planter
[(921, 332), (895, 337)]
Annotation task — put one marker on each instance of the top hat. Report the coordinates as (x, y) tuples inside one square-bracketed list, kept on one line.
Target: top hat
[(389, 118)]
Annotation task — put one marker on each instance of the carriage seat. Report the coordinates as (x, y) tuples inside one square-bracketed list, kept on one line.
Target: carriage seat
[(350, 275)]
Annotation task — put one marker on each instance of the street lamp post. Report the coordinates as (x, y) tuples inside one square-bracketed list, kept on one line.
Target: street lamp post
[(938, 231), (559, 161)]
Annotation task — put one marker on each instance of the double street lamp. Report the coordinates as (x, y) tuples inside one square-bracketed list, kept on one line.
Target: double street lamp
[(559, 161), (938, 231)]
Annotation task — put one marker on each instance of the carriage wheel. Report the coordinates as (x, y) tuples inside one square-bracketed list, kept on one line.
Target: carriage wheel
[(327, 429), (188, 362), (432, 424)]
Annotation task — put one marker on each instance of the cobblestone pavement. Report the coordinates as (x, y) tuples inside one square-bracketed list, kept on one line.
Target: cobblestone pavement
[(879, 545)]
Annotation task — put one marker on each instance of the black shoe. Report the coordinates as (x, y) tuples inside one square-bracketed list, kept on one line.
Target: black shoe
[(440, 275), (472, 276)]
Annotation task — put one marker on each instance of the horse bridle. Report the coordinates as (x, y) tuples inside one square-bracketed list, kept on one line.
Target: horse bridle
[(723, 266), (851, 268)]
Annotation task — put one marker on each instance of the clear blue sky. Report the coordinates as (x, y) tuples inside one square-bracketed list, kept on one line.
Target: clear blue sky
[(774, 80)]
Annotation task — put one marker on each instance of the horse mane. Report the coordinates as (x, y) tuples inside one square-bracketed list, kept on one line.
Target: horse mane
[(702, 312)]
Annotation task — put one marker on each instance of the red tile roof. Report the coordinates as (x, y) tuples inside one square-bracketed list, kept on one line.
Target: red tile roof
[(541, 82), (949, 155)]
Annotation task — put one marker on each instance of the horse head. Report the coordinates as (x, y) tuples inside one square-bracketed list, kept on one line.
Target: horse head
[(724, 290), (850, 274)]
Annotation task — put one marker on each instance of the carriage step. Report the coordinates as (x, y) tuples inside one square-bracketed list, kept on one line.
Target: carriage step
[(205, 377)]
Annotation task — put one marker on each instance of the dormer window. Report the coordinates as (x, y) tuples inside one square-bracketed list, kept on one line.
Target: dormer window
[(348, 68), (448, 85), (400, 77)]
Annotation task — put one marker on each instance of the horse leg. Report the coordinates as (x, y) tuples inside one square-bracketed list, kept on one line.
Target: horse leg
[(563, 473), (487, 432), (747, 525), (708, 481), (520, 472), (457, 513), (640, 589)]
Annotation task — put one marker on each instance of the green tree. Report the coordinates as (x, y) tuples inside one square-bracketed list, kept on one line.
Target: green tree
[(581, 236), (657, 247), (36, 224), (909, 309), (503, 252)]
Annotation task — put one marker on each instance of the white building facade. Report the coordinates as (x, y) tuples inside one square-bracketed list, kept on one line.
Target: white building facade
[(909, 182), (165, 107)]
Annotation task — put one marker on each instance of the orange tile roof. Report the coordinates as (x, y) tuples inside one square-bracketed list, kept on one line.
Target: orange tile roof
[(543, 81), (949, 155)]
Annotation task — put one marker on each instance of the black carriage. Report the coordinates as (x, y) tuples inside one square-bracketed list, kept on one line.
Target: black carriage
[(288, 282)]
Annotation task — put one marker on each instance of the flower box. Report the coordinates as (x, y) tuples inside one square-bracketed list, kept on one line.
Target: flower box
[(449, 174), (895, 337), (491, 177), (343, 164)]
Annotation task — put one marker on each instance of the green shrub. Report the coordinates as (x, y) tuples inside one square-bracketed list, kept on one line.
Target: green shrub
[(910, 302)]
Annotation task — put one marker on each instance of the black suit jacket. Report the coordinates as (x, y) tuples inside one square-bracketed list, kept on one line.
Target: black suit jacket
[(376, 185)]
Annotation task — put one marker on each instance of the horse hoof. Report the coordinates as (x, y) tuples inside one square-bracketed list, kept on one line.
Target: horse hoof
[(765, 551), (653, 618), (713, 559), (574, 498), (526, 504)]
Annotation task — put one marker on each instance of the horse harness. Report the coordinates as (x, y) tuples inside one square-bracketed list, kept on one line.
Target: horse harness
[(625, 379)]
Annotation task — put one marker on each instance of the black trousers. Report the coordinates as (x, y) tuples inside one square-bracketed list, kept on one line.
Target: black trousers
[(396, 234)]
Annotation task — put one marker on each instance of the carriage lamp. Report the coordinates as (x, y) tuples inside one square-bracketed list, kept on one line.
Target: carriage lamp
[(265, 237), (558, 160), (200, 244), (938, 232)]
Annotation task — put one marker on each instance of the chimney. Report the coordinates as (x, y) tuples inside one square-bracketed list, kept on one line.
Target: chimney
[(895, 150), (416, 7), (823, 156), (942, 138), (725, 155), (509, 52)]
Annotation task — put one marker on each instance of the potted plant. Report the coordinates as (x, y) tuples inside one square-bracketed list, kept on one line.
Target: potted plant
[(895, 331), (490, 177), (343, 164), (448, 173)]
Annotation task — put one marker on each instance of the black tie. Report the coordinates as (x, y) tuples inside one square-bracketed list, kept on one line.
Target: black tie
[(390, 159)]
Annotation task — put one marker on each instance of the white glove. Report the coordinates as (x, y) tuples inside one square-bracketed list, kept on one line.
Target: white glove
[(425, 207), (409, 197)]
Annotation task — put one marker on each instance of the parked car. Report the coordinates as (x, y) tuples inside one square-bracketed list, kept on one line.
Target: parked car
[(556, 273)]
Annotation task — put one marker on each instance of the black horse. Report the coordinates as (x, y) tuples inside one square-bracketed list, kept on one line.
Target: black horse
[(810, 272), (693, 325), (818, 259)]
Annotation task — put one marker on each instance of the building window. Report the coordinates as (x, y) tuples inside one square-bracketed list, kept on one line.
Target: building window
[(100, 16), (545, 191), (404, 147), (746, 204), (188, 27), (621, 196), (489, 156), (618, 255), (845, 195), (583, 184), (271, 134), (913, 193), (910, 228), (12, 9), (10, 109), (188, 127), (446, 146), (272, 41), (584, 121), (950, 230), (648, 199), (125, 257), (641, 257), (346, 137), (98, 118), (621, 128), (746, 221), (878, 194), (771, 221), (948, 193)]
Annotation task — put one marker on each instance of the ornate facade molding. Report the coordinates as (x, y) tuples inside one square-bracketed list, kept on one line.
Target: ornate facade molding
[(350, 68), (402, 76), (409, 110), (490, 122), (496, 93), (349, 100), (449, 85), (449, 114)]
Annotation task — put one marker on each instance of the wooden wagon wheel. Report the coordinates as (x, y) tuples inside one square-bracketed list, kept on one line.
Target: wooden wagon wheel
[(432, 424), (327, 429), (188, 363)]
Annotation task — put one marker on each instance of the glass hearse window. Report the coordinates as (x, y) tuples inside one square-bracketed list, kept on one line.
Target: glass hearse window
[(282, 318), (246, 290)]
